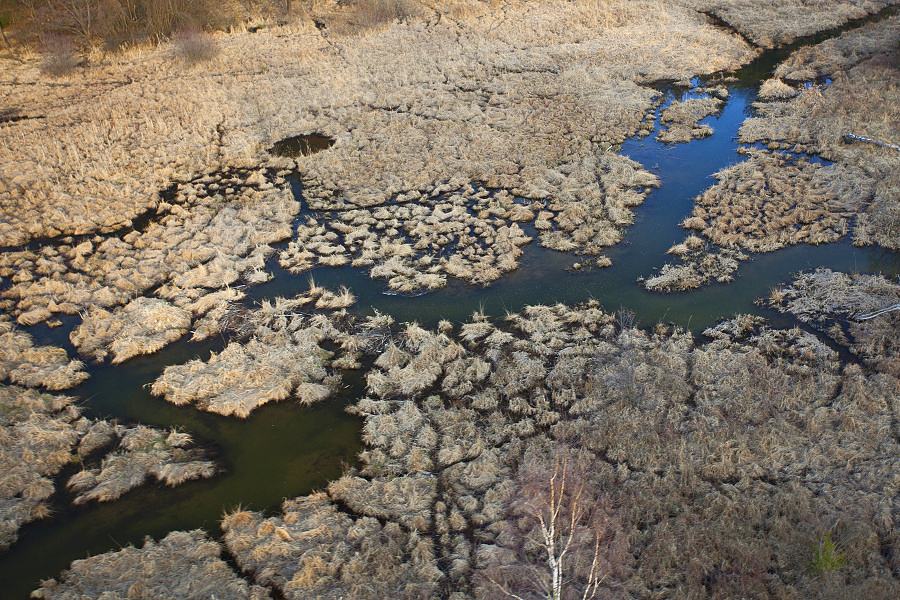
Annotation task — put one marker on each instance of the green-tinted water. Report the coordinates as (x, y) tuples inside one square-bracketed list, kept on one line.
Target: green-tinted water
[(284, 450)]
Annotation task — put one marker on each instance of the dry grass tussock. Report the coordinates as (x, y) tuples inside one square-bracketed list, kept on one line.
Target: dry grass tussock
[(279, 352), (184, 564), (741, 454), (862, 100), (832, 300), (212, 232), (142, 326), (40, 434), (697, 264), (773, 200), (682, 117), (142, 452), (24, 363), (774, 23)]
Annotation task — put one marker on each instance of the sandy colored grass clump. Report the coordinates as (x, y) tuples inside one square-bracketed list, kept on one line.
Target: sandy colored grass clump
[(282, 354), (142, 326), (697, 264), (314, 550), (682, 118), (26, 364), (182, 565), (39, 435), (774, 200), (142, 452), (214, 231)]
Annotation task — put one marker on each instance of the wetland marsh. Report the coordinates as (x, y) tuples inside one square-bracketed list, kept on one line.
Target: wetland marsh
[(418, 448)]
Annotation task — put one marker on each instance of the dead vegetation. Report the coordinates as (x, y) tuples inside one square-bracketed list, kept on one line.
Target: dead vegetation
[(184, 564), (741, 454), (279, 352), (774, 200), (524, 99), (769, 24), (682, 118), (26, 364), (142, 452), (834, 302), (778, 197), (861, 100), (698, 264), (40, 434)]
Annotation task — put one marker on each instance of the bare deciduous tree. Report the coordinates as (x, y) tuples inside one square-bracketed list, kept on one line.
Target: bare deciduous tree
[(567, 541)]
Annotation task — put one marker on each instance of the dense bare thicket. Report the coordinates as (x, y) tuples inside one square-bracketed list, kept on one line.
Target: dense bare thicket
[(40, 434), (182, 565), (719, 468)]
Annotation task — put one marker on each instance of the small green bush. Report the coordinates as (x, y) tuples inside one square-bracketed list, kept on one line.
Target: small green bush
[(827, 557)]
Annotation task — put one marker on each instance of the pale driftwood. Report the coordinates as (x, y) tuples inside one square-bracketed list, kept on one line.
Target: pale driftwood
[(878, 313), (858, 138)]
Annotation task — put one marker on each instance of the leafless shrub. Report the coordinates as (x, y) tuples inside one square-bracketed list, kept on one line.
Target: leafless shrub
[(59, 55), (566, 541), (194, 46)]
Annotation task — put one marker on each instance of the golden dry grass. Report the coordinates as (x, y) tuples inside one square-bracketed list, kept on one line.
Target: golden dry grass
[(184, 564)]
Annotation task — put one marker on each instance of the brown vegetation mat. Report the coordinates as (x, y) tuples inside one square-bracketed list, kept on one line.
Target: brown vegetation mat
[(142, 452), (778, 22), (681, 119), (35, 366), (524, 97), (774, 200), (862, 100), (715, 469), (699, 263), (215, 231), (142, 326), (184, 565), (40, 434), (284, 355), (839, 304)]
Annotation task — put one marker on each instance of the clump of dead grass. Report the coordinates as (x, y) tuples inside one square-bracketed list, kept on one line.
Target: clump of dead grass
[(26, 364), (184, 564)]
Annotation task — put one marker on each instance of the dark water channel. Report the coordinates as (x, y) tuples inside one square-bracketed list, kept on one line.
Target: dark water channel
[(284, 450)]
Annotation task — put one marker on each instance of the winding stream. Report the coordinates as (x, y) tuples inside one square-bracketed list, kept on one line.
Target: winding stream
[(284, 450)]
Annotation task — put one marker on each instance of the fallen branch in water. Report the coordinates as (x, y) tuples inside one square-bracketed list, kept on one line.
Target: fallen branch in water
[(878, 312), (849, 137)]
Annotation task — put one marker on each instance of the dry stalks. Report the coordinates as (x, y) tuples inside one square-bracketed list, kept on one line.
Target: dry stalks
[(181, 565)]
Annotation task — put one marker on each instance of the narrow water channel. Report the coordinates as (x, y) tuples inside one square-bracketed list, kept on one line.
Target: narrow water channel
[(284, 450)]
